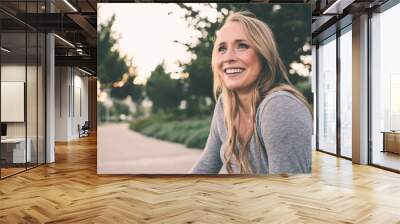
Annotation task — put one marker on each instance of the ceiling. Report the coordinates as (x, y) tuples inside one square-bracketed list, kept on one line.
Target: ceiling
[(330, 15), (74, 22)]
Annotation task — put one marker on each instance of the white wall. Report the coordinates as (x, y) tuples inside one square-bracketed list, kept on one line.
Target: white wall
[(13, 73), (71, 102), (61, 103)]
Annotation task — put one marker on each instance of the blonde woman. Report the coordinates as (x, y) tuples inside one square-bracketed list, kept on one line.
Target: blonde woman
[(261, 123)]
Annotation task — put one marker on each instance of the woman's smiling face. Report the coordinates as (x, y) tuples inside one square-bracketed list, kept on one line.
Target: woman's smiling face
[(236, 59)]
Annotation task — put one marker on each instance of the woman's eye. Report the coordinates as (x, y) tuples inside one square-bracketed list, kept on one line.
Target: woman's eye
[(243, 46), (221, 49)]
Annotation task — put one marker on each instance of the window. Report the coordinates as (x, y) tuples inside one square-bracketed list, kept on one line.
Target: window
[(327, 95), (385, 88), (346, 75)]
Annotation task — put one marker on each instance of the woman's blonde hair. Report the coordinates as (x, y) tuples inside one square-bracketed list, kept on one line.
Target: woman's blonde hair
[(273, 78)]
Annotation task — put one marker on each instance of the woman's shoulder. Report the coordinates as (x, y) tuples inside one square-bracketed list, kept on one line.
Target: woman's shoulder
[(218, 103), (280, 95), (219, 109), (282, 111), (282, 102)]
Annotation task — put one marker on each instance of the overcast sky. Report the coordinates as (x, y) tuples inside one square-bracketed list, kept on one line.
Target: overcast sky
[(147, 32)]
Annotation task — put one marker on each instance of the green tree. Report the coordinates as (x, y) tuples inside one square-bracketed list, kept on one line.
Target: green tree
[(102, 111), (128, 89), (114, 72), (165, 93), (199, 83), (119, 108)]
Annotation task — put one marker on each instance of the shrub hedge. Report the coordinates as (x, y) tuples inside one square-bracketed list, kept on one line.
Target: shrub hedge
[(192, 132)]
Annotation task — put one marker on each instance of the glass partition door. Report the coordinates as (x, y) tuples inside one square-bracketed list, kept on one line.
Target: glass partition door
[(22, 77), (14, 153)]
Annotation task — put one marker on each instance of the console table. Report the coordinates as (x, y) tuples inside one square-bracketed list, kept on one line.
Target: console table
[(391, 141), (13, 150)]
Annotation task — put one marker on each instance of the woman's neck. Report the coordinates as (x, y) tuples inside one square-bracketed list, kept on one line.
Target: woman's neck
[(244, 102)]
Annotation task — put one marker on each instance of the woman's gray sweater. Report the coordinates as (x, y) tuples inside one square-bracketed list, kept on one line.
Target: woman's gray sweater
[(284, 126)]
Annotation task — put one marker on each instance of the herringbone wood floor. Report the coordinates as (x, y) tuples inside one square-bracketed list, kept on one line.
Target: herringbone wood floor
[(70, 191)]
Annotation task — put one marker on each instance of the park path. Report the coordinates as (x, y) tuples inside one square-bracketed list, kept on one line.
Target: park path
[(123, 151)]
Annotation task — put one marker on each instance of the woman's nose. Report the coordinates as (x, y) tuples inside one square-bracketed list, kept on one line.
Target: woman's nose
[(230, 55)]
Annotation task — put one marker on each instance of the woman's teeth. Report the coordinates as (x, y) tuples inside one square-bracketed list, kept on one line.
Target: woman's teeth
[(230, 71)]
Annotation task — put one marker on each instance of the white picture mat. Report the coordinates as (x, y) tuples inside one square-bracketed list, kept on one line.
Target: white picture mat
[(12, 101)]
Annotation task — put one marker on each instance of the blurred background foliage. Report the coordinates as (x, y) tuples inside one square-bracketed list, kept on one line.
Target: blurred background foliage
[(181, 108), (165, 93)]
